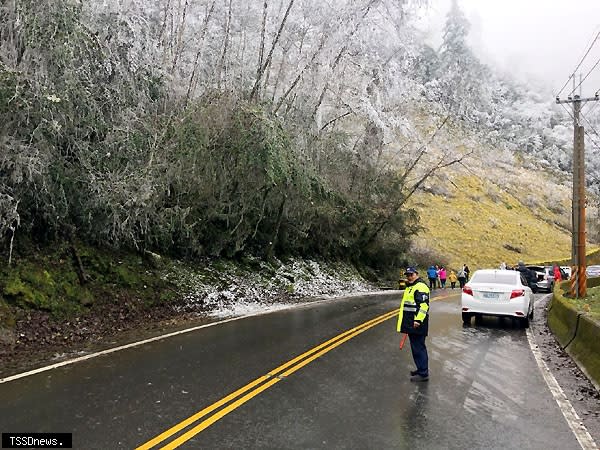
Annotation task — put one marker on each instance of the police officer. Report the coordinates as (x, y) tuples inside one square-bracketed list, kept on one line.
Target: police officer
[(413, 320)]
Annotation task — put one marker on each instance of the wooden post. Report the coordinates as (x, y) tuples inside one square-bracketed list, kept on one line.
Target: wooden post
[(578, 272)]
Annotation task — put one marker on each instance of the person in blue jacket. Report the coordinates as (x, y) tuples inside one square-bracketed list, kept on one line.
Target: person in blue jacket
[(432, 276)]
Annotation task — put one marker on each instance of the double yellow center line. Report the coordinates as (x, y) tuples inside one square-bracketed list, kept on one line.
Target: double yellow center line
[(255, 387)]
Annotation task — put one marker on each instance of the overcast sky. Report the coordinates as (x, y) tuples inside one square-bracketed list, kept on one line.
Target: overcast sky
[(540, 39)]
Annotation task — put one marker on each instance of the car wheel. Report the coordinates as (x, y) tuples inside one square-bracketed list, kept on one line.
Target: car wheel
[(478, 318), (525, 322), (466, 318)]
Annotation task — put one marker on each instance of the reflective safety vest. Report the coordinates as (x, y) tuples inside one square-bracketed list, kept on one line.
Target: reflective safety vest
[(414, 308)]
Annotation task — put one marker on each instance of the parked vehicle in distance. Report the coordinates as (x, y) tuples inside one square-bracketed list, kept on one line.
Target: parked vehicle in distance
[(545, 277), (593, 271), (501, 293), (566, 270)]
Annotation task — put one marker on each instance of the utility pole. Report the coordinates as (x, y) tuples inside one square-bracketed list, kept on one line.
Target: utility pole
[(578, 262)]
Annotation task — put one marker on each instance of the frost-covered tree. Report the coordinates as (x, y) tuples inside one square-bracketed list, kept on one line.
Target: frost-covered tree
[(454, 50), (461, 75), (224, 126), (208, 127)]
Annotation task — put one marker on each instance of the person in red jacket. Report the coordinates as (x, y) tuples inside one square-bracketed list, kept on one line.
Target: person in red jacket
[(557, 276)]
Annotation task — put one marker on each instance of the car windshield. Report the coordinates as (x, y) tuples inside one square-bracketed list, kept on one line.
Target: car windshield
[(500, 277)]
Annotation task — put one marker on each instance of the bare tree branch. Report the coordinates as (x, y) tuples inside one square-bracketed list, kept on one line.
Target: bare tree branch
[(421, 151), (301, 73), (261, 50), (335, 119), (341, 53), (180, 32), (198, 53), (259, 75), (441, 163), (222, 63)]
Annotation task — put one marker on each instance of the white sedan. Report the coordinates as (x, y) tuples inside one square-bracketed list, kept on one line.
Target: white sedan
[(497, 293)]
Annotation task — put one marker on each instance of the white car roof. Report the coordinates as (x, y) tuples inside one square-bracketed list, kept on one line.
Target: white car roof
[(494, 270), (494, 276)]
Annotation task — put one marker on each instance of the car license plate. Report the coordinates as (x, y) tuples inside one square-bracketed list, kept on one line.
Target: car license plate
[(491, 295)]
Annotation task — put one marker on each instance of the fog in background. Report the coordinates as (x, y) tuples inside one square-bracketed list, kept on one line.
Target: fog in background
[(539, 41)]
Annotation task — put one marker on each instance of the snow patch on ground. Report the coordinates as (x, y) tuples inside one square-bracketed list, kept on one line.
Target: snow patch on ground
[(224, 289)]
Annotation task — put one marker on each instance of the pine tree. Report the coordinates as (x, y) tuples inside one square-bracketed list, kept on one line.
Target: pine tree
[(461, 73), (454, 48)]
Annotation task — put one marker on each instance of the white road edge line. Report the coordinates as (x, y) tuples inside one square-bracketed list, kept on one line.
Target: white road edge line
[(111, 350), (175, 333), (573, 420)]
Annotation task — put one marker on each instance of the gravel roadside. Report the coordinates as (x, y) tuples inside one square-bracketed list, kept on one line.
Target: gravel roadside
[(581, 392)]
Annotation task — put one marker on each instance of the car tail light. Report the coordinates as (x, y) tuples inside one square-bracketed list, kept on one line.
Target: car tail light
[(467, 290), (517, 293)]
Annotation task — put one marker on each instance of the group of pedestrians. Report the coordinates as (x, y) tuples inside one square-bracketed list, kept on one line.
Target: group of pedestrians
[(438, 276)]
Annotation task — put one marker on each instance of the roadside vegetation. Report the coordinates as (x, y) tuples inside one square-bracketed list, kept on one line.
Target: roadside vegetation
[(68, 297), (589, 305), (65, 279)]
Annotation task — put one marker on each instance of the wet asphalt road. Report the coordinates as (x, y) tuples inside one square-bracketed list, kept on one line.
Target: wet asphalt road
[(486, 390)]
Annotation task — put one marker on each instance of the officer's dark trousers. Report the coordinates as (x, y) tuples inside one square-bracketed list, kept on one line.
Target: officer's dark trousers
[(419, 352)]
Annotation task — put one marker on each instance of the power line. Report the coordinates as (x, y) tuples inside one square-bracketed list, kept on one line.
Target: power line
[(580, 62), (595, 105), (594, 130), (584, 78), (591, 125), (567, 82), (585, 131)]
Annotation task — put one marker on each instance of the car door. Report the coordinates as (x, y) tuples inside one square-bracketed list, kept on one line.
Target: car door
[(528, 294), (525, 282), (550, 276)]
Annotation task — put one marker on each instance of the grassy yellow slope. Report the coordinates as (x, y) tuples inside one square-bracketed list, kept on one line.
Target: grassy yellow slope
[(479, 223)]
